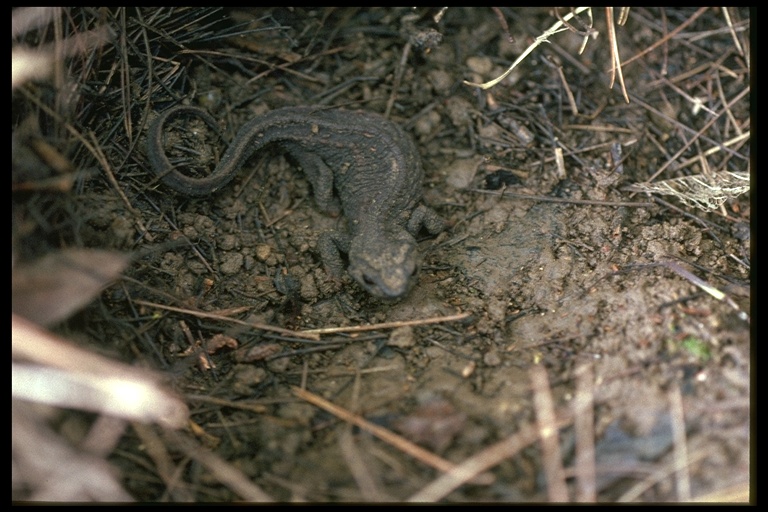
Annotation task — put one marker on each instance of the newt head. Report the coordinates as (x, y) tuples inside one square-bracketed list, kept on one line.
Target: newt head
[(385, 267)]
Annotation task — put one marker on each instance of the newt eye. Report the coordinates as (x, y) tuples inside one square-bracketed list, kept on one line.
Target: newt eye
[(367, 280)]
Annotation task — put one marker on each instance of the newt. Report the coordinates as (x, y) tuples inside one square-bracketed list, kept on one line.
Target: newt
[(358, 163)]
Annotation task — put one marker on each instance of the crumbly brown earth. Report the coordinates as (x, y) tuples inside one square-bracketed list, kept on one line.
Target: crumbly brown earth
[(580, 276)]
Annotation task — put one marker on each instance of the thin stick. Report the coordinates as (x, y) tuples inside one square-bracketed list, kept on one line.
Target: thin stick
[(213, 316), (699, 134), (388, 325), (547, 199), (668, 36), (481, 461), (385, 435)]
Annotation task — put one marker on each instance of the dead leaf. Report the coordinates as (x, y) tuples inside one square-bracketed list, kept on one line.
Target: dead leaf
[(56, 286), (434, 424)]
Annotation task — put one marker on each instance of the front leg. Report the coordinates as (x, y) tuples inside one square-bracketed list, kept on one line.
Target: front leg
[(330, 246), (424, 216)]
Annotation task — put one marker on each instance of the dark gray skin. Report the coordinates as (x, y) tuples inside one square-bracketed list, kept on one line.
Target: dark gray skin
[(369, 161)]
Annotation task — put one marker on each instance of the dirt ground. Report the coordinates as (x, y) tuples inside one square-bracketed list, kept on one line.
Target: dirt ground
[(561, 343)]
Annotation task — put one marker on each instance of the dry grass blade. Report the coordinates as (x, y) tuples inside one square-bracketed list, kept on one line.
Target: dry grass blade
[(738, 493), (559, 26), (683, 477), (222, 471), (360, 468), (736, 42), (29, 64), (25, 19), (708, 288), (583, 424), (68, 376), (615, 58), (51, 470), (548, 435)]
